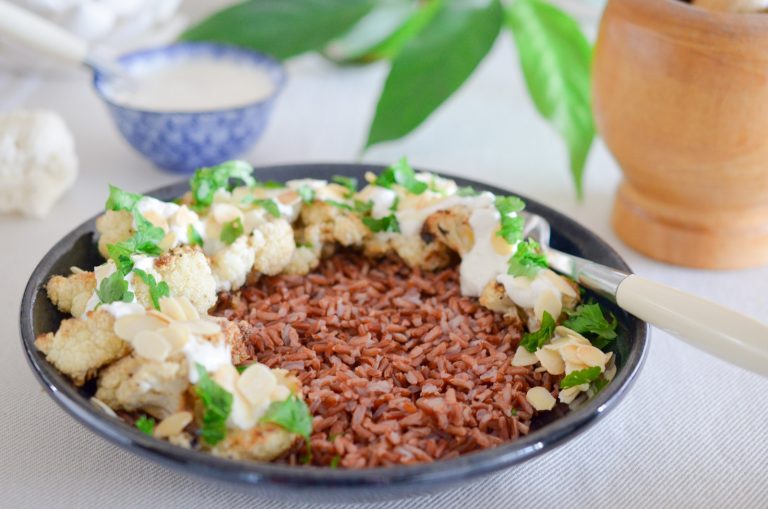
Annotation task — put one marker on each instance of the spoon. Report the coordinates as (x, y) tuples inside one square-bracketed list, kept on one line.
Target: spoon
[(715, 329), (46, 37)]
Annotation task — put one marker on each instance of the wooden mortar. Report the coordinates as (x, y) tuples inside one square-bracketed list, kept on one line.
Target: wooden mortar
[(681, 100)]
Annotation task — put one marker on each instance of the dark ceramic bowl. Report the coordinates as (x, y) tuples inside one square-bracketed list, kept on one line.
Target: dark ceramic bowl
[(324, 484)]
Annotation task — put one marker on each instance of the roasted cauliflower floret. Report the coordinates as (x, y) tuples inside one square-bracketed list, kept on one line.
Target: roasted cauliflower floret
[(231, 265), (272, 255), (81, 346), (337, 225), (417, 253), (451, 227), (155, 387), (113, 227), (263, 442), (495, 298), (303, 261), (71, 293), (188, 274)]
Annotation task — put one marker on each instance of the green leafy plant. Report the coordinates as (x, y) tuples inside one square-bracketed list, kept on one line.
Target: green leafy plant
[(433, 46)]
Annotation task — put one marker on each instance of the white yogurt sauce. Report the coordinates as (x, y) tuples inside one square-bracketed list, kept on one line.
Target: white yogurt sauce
[(211, 356), (199, 84), (412, 219), (179, 218), (483, 262)]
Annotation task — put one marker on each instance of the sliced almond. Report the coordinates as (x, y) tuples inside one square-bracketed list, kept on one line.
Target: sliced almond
[(565, 332), (173, 424), (551, 361), (103, 407), (168, 241), (203, 327), (172, 308), (177, 335), (610, 372), (160, 316), (548, 301), (226, 376), (151, 345), (280, 393), (226, 213), (568, 395), (559, 283), (591, 356), (126, 327), (570, 367), (189, 310), (540, 398), (288, 197), (256, 383), (569, 353), (156, 219), (523, 357)]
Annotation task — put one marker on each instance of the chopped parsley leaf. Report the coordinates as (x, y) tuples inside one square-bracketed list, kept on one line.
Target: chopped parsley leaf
[(589, 319), (384, 224), (467, 191), (114, 289), (599, 384), (147, 238), (335, 461), (231, 231), (401, 173), (156, 290), (206, 181), (121, 200), (195, 239), (308, 245), (121, 255), (528, 259), (269, 184), (339, 205), (582, 376), (511, 228), (218, 405), (306, 193), (395, 204), (291, 414), (266, 203), (146, 425), (350, 183), (358, 206), (532, 341), (513, 412)]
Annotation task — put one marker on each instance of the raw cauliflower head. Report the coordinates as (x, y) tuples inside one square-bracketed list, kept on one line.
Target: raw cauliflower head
[(37, 161)]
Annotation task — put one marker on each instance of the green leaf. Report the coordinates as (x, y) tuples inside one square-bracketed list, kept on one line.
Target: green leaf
[(156, 290), (532, 341), (206, 181), (147, 236), (589, 320), (401, 173), (292, 415), (335, 461), (218, 405), (556, 59), (582, 376), (195, 239), (114, 289), (350, 183), (528, 259), (231, 231), (467, 191), (121, 255), (599, 384), (306, 193), (269, 184), (384, 224), (433, 65), (511, 228), (279, 27), (146, 425), (267, 204), (121, 200)]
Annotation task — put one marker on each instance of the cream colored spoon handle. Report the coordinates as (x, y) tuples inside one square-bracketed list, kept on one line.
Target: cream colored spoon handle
[(40, 34), (720, 331)]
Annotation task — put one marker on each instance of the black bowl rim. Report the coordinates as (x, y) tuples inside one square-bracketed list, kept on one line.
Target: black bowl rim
[(199, 463)]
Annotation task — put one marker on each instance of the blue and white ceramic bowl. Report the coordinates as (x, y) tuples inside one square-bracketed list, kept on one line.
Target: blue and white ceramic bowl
[(184, 141)]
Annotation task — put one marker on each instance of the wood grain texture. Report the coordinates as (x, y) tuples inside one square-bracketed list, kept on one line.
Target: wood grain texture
[(681, 100)]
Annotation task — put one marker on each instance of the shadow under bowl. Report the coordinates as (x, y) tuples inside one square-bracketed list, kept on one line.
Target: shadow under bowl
[(317, 484), (183, 141)]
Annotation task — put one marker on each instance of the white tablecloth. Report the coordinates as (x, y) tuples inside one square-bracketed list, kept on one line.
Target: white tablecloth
[(691, 433)]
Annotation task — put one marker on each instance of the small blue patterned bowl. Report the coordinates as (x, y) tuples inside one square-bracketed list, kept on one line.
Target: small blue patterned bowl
[(184, 141)]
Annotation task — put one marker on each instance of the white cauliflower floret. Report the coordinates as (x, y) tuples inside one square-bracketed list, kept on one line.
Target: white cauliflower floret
[(274, 254), (155, 387), (37, 161), (71, 293), (187, 273), (232, 264), (113, 226), (336, 225), (81, 346)]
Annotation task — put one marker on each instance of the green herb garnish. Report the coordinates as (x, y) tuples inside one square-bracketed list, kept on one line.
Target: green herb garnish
[(335, 461), (114, 289), (146, 425), (194, 237), (121, 200), (350, 183), (291, 414), (599, 384), (395, 204), (308, 245), (528, 259), (467, 191), (306, 193), (358, 206), (384, 224), (589, 319), (231, 231), (121, 255), (582, 376), (206, 181), (532, 341), (269, 184), (401, 173), (267, 204), (218, 405), (156, 290), (511, 228), (513, 412)]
